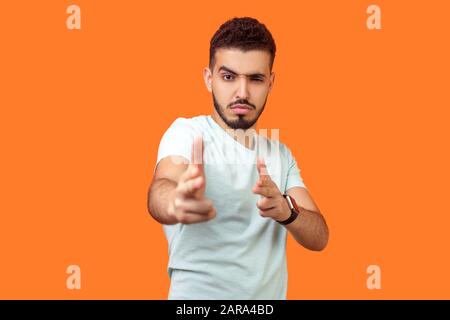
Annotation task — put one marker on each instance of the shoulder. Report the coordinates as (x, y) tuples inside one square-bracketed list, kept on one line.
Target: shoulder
[(276, 147), (285, 150), (188, 124)]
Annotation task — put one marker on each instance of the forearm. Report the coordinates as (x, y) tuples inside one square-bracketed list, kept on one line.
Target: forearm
[(161, 195), (310, 230)]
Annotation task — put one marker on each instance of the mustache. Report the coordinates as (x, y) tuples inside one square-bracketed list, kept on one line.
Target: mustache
[(243, 102)]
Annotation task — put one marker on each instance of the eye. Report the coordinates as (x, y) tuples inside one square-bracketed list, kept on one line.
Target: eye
[(257, 79), (228, 77)]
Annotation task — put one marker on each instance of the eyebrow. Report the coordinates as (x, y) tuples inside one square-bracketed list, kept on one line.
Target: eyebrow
[(223, 68)]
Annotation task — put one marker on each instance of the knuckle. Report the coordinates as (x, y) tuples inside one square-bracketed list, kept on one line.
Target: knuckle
[(262, 203), (212, 214), (177, 202), (181, 206), (187, 184), (183, 219), (180, 187)]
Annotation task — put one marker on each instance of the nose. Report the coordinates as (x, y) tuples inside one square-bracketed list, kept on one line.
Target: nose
[(242, 92)]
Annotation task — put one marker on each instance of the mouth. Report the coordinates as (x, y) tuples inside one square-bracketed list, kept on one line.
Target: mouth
[(241, 109)]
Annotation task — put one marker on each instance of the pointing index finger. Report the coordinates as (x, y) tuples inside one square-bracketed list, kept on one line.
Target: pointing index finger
[(261, 166), (197, 151)]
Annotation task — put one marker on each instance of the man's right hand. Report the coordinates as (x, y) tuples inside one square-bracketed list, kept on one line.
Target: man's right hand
[(189, 204)]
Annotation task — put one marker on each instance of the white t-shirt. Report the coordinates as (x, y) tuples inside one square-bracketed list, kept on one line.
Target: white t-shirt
[(238, 254)]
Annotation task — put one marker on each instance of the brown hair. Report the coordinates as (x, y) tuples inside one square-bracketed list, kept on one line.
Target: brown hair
[(242, 33)]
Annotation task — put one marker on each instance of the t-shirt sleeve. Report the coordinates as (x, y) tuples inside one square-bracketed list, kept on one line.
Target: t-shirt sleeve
[(177, 140), (294, 178)]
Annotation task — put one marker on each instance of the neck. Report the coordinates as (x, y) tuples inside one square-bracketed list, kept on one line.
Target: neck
[(243, 136)]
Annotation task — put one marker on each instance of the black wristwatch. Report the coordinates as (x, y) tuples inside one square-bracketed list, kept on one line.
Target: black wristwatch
[(294, 210)]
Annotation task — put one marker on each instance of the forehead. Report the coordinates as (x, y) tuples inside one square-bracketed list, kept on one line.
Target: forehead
[(252, 61)]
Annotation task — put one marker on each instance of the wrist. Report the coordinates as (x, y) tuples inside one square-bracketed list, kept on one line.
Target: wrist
[(285, 211), (293, 210)]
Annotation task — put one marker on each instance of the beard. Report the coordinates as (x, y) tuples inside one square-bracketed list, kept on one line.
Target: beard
[(240, 122)]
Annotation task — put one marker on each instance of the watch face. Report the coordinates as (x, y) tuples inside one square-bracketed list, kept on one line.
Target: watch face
[(294, 204)]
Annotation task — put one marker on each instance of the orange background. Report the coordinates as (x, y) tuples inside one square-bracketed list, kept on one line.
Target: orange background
[(365, 113)]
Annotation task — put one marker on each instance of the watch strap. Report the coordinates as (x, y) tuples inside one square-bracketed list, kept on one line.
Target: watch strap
[(293, 215)]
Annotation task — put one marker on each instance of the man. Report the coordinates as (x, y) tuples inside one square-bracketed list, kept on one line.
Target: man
[(226, 206)]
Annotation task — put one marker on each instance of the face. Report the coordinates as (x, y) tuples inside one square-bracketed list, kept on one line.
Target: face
[(240, 83)]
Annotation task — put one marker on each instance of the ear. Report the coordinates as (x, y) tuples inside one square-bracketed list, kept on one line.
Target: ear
[(272, 80), (207, 76)]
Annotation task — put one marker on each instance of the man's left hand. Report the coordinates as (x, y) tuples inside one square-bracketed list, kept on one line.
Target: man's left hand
[(272, 203)]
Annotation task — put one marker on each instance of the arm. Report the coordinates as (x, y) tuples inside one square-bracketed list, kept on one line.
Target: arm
[(176, 194), (309, 229), (162, 190)]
